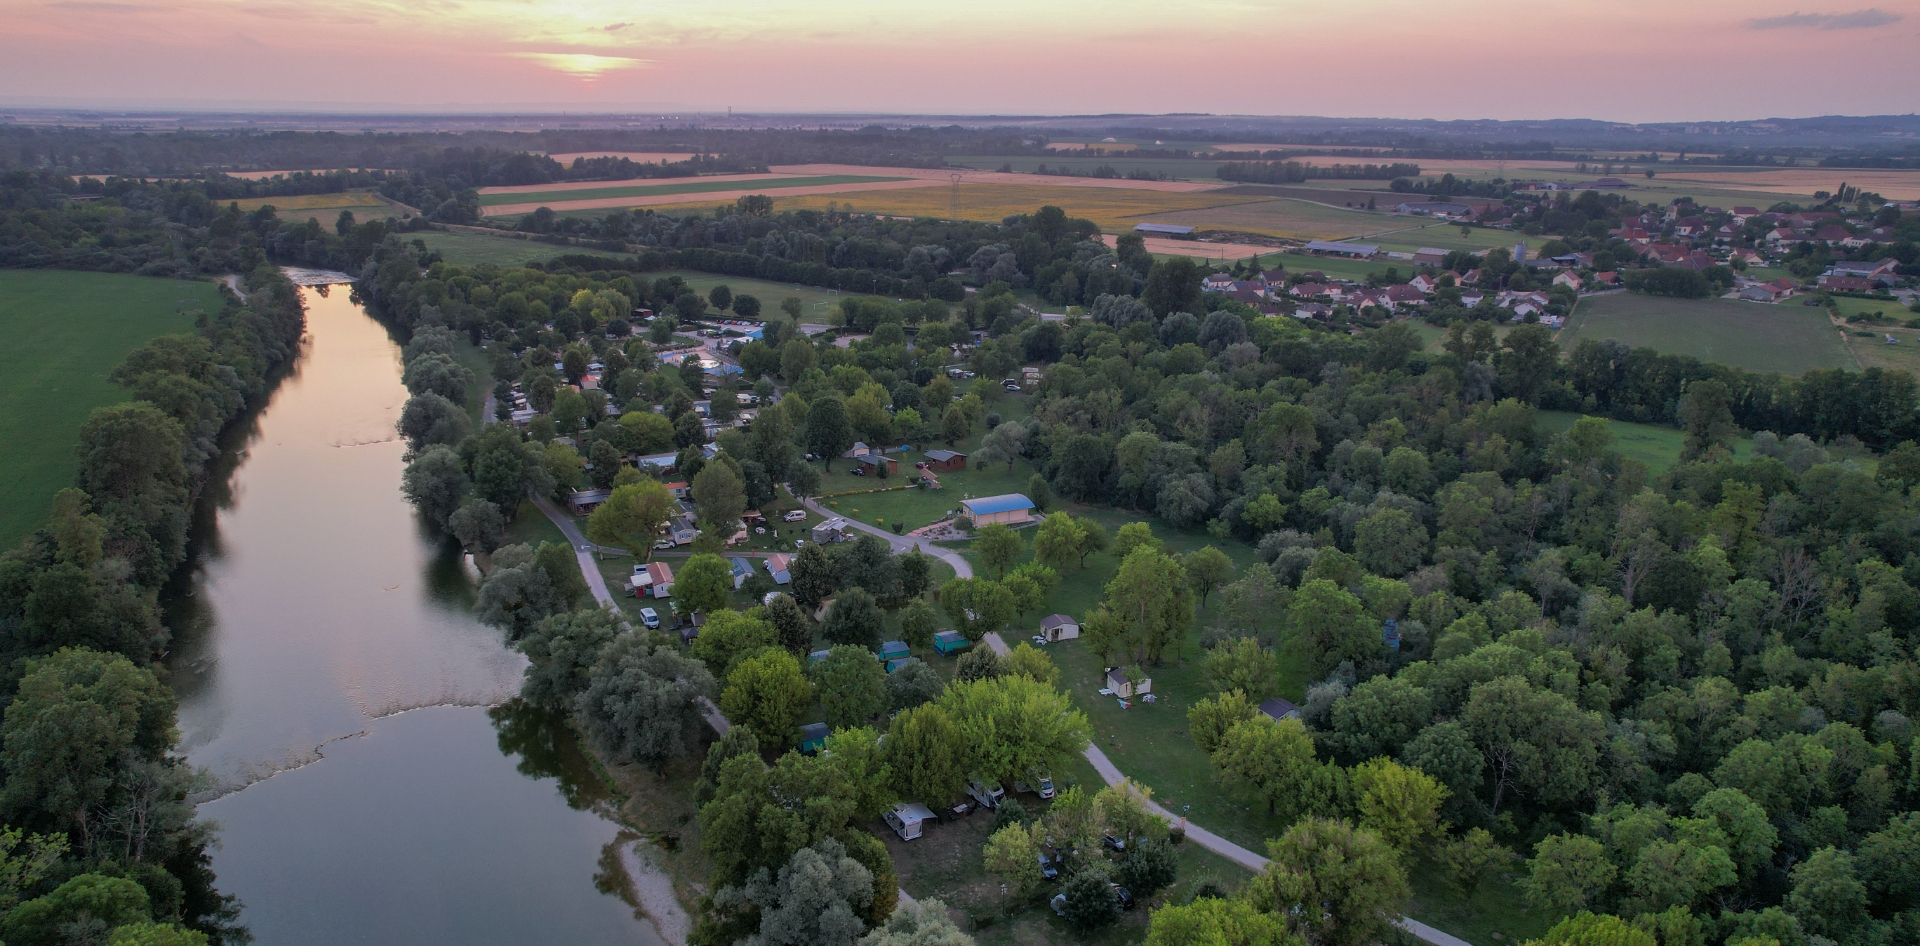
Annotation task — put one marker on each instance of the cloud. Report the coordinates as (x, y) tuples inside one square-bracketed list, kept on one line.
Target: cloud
[(616, 27), (585, 65), (86, 7), (1857, 20)]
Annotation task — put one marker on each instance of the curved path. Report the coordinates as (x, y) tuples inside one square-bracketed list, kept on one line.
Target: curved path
[(900, 543), (1112, 775)]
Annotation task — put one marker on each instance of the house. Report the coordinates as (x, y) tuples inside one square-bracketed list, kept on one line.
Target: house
[(1832, 233), (877, 464), (946, 461), (1862, 240), (1217, 282), (1312, 290), (659, 462), (1009, 508), (1424, 282), (1741, 214), (1569, 280), (1767, 291), (908, 820), (832, 530), (1398, 296), (1846, 284), (1313, 310), (654, 581), (1608, 279), (1126, 689), (948, 643), (679, 489), (583, 501), (1058, 627), (683, 530), (1866, 270), (813, 738), (894, 650), (1428, 256), (1342, 248), (778, 566), (1748, 257), (742, 570), (1278, 709)]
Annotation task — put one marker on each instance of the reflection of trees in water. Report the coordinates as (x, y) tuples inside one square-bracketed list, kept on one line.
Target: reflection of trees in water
[(547, 748), (612, 877)]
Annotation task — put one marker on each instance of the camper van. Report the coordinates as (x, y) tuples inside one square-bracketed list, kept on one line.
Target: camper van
[(987, 792), (906, 820)]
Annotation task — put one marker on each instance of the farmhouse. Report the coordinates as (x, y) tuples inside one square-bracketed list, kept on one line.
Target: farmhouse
[(1058, 627), (1010, 509), (1342, 248), (946, 461)]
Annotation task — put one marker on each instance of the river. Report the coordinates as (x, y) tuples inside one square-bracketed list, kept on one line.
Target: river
[(375, 783)]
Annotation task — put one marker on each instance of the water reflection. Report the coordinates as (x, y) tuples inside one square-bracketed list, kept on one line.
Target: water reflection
[(318, 615)]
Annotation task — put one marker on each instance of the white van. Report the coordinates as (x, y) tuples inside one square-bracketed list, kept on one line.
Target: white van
[(905, 820), (988, 793)]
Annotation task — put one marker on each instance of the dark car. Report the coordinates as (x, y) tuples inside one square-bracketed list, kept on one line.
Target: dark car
[(1126, 898), (1113, 844)]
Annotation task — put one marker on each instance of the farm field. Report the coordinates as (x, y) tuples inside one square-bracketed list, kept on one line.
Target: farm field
[(1110, 207), (1354, 193), (473, 249), (1873, 351), (638, 157), (322, 207), (66, 331), (1786, 338), (1197, 169), (1656, 446), (691, 186), (1446, 236), (1291, 219)]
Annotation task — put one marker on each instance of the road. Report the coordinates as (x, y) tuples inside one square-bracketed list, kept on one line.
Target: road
[(900, 543), (1112, 775)]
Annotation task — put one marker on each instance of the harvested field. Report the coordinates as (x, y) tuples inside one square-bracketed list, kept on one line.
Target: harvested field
[(1289, 219), (703, 197), (1787, 338), (1340, 197), (638, 157), (564, 186), (1111, 208), (1199, 171), (310, 201), (683, 186), (969, 176)]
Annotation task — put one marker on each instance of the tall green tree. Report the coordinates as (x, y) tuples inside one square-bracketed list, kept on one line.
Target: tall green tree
[(1336, 884)]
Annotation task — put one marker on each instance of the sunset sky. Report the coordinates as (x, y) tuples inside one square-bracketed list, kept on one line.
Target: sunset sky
[(1629, 60)]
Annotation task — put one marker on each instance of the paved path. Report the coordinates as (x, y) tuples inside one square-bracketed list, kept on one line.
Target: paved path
[(900, 543), (1112, 775)]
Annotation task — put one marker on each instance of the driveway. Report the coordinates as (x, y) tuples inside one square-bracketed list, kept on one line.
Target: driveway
[(900, 543)]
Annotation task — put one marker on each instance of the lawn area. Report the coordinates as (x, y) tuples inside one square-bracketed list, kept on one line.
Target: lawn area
[(1446, 236), (558, 199), (473, 249), (532, 527), (65, 332), (325, 208), (815, 302), (475, 359), (1658, 447), (1334, 267), (1786, 338)]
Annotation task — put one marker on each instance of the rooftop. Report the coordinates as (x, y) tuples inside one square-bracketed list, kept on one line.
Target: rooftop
[(1162, 228), (992, 504)]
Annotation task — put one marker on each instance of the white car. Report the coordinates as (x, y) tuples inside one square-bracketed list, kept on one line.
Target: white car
[(649, 617), (664, 545), (798, 515)]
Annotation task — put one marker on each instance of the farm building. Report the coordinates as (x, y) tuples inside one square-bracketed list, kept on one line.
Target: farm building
[(1164, 230), (742, 570), (1009, 508), (1278, 709), (777, 566), (1437, 208), (583, 501), (949, 642), (1428, 256), (813, 737), (946, 461), (654, 581), (1342, 248), (1126, 689), (1059, 627)]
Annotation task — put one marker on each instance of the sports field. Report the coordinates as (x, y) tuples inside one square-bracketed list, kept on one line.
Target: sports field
[(65, 332), (1786, 338), (557, 198)]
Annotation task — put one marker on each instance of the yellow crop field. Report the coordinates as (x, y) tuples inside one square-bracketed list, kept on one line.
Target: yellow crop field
[(1110, 207), (350, 200)]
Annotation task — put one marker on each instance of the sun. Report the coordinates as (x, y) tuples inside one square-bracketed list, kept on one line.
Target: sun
[(585, 65)]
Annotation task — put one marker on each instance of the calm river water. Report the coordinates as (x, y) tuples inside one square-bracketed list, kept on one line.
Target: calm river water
[(375, 785)]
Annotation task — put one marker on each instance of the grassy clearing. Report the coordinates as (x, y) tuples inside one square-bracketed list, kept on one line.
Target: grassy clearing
[(556, 198), (1286, 218), (1447, 236), (1759, 337), (474, 249), (1334, 267), (815, 303), (1658, 447), (1110, 207), (65, 332), (364, 205)]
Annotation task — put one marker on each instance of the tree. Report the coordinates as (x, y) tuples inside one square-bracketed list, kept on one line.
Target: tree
[(720, 496), (1828, 896), (1173, 285), (1400, 804), (927, 753), (429, 419), (1338, 885), (606, 464), (564, 465), (1536, 740), (814, 577), (916, 575), (977, 606), (1241, 665), (1329, 625), (978, 664), (746, 306), (1209, 720), (919, 923), (632, 516), (518, 594), (72, 717), (1390, 542), (955, 425), (1150, 601), (721, 297), (852, 686), (1014, 724), (1002, 444), (89, 900), (705, 584), (829, 434), (478, 525), (818, 898), (1149, 869), (854, 619), (1012, 854), (23, 870), (791, 626), (435, 483), (1134, 535), (435, 373), (766, 693), (1091, 900), (730, 636), (1211, 921), (1468, 859), (1058, 540), (1568, 873), (998, 546), (1527, 362), (1707, 417), (918, 622), (1276, 761), (1031, 662), (560, 651), (641, 701), (803, 481), (1589, 929), (1207, 568), (156, 934)]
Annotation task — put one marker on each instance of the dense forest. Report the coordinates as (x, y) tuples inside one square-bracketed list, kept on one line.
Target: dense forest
[(100, 837)]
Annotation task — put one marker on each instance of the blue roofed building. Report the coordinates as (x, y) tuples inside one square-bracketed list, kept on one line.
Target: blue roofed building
[(1009, 509)]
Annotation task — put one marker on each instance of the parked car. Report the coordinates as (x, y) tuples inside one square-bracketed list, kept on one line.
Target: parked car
[(663, 545), (1042, 783), (1126, 897), (798, 515), (1047, 869), (1113, 844), (650, 617)]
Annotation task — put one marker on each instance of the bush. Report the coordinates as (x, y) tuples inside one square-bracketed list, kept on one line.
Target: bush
[(1091, 900)]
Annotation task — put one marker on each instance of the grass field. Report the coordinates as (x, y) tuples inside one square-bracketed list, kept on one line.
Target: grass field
[(1185, 170), (1112, 208), (815, 303), (1286, 218), (1334, 267), (65, 332), (473, 249), (1658, 447), (1784, 338), (1446, 236), (556, 198), (322, 207)]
